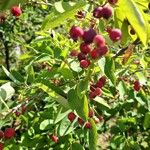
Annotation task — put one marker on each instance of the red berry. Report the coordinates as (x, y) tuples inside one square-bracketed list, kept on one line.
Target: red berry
[(101, 82), (81, 56), (84, 63), (16, 11), (112, 2), (71, 116), (76, 32), (87, 125), (137, 86), (91, 113), (85, 48), (99, 40), (17, 113), (1, 146), (97, 91), (80, 121), (89, 35), (1, 134), (92, 95), (94, 54), (9, 133), (54, 138), (102, 51), (107, 11), (96, 120), (100, 118), (74, 53), (92, 88), (115, 35), (97, 13)]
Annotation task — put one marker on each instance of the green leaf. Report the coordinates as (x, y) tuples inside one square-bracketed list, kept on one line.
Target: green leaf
[(56, 18), (135, 18), (146, 123), (17, 75), (66, 73), (102, 103), (79, 104), (46, 124), (77, 146), (30, 74), (92, 136)]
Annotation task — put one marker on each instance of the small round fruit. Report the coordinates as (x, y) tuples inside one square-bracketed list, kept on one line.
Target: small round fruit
[(85, 48), (107, 11), (101, 82), (81, 56), (115, 35), (99, 40), (54, 138), (97, 91), (112, 2), (76, 32), (97, 13), (91, 113), (1, 146), (137, 86), (1, 134), (100, 118), (17, 113), (87, 125), (74, 53), (102, 51), (9, 133), (16, 11), (89, 35), (84, 63), (80, 121), (94, 54), (71, 116), (96, 120)]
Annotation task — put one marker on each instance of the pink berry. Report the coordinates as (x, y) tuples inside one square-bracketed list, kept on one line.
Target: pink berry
[(97, 91), (91, 113), (71, 116), (87, 125), (89, 35), (137, 86), (107, 11), (112, 2), (115, 35), (9, 133), (76, 32), (1, 134), (81, 56), (94, 54), (16, 11), (85, 48), (99, 40), (97, 13), (84, 63), (80, 121), (74, 53), (102, 51), (96, 120), (54, 138), (1, 146)]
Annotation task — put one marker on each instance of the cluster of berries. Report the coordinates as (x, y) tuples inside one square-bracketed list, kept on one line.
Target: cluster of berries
[(7, 134)]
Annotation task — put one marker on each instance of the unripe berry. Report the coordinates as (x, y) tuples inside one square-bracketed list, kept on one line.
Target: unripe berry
[(84, 63), (99, 40), (85, 48), (100, 118), (1, 134), (107, 11), (74, 53), (9, 133), (80, 121), (1, 146), (137, 86), (96, 120), (87, 125), (91, 113), (115, 35), (71, 116), (112, 2), (97, 13), (89, 35), (97, 92), (94, 54), (54, 138), (76, 32), (102, 51), (81, 56), (16, 11)]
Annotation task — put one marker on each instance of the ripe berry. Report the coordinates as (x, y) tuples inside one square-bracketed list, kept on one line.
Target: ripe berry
[(101, 82), (16, 11), (91, 113), (85, 48), (107, 11), (97, 92), (9, 133), (99, 40), (102, 51), (92, 88), (112, 2), (89, 35), (94, 54), (80, 121), (87, 125), (54, 138), (1, 146), (97, 13), (137, 86), (84, 63), (17, 113), (115, 35), (76, 32), (1, 134), (92, 95), (71, 116), (74, 53), (81, 56)]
